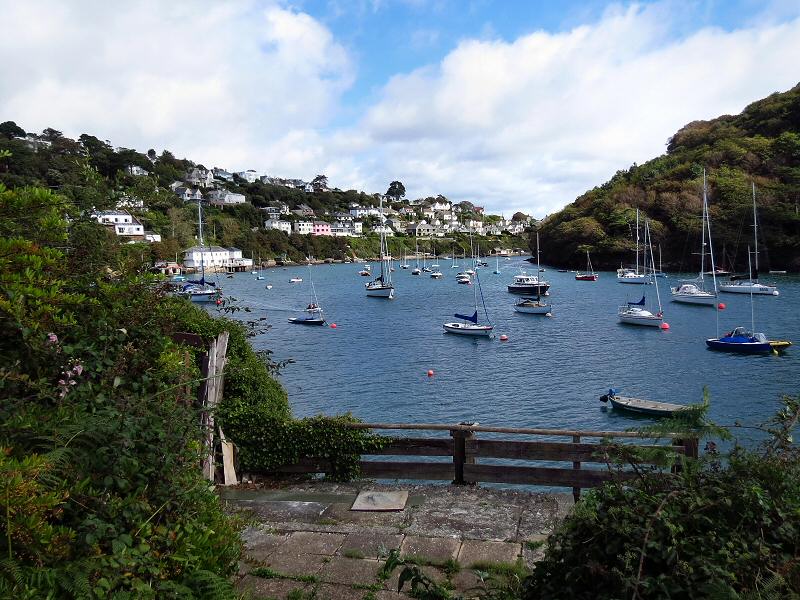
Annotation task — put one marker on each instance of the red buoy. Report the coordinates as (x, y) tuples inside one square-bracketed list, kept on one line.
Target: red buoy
[(665, 326), (333, 325), (219, 301), (504, 338), (721, 306), (430, 372)]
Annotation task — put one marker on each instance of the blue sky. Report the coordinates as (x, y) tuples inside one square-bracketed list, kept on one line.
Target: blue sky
[(512, 105)]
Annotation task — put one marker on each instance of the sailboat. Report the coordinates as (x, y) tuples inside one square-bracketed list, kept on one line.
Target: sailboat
[(435, 265), (534, 306), (744, 341), (381, 286), (200, 290), (313, 312), (694, 292), (425, 267), (404, 265), (416, 270), (469, 323), (455, 259), (589, 275), (626, 275), (750, 285), (497, 266), (634, 313)]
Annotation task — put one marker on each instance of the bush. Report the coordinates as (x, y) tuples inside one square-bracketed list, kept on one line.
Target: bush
[(717, 530)]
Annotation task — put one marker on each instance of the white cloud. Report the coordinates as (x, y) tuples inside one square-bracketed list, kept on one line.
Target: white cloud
[(526, 124), (530, 124)]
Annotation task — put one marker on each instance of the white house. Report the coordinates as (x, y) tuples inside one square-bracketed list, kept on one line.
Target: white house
[(223, 197), (284, 226), (385, 229), (223, 174), (359, 212), (123, 223), (303, 227), (152, 237), (188, 194), (136, 171), (214, 258), (249, 176), (420, 229), (440, 205)]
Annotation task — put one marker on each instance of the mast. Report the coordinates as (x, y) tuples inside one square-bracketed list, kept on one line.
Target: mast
[(637, 242), (750, 271), (710, 245), (649, 244), (755, 233), (703, 243), (202, 251), (538, 271)]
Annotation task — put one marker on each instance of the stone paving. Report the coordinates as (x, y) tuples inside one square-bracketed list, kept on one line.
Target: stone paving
[(305, 542)]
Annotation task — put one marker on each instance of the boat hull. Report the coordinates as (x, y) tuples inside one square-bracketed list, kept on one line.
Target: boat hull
[(381, 292), (203, 297), (645, 407), (467, 329), (698, 299), (758, 289), (543, 309), (740, 347), (301, 321), (530, 290), (636, 279), (580, 277), (644, 321)]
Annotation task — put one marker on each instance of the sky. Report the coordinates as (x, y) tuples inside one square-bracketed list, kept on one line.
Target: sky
[(514, 105)]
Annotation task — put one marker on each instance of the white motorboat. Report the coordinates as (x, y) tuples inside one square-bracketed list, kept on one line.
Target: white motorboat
[(296, 280), (463, 278), (437, 275)]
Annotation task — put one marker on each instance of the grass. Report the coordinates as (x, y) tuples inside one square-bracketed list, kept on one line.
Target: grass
[(267, 573), (353, 553)]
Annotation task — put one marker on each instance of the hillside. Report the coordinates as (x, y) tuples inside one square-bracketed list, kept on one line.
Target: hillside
[(96, 176), (760, 145)]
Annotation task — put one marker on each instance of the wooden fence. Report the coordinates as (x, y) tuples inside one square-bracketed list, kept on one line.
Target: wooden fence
[(466, 450)]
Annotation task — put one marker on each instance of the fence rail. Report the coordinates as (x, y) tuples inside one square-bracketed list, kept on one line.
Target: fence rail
[(466, 450)]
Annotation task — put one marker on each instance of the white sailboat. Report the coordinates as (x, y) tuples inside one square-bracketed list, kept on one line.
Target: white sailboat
[(405, 262), (534, 306), (694, 292), (200, 290), (627, 275), (381, 286), (416, 269), (750, 285), (635, 313), (455, 259), (497, 266)]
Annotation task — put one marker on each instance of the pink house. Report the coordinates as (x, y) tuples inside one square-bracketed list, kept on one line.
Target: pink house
[(321, 228)]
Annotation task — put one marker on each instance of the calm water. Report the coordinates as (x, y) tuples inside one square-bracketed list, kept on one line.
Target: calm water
[(549, 373)]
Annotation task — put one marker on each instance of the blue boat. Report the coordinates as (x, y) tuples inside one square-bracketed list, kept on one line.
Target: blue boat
[(744, 342)]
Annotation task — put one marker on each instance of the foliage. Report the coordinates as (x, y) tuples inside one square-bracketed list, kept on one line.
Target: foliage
[(100, 491), (717, 528), (761, 145)]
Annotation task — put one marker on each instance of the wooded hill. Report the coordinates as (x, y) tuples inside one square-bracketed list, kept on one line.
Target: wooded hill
[(761, 145)]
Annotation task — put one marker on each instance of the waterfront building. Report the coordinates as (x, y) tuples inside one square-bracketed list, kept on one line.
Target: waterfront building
[(284, 226)]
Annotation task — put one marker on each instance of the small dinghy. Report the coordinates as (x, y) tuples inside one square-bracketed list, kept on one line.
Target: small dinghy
[(643, 407)]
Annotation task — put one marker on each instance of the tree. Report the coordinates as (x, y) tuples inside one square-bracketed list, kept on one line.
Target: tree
[(151, 154), (320, 183), (396, 191), (11, 130), (519, 216), (51, 134)]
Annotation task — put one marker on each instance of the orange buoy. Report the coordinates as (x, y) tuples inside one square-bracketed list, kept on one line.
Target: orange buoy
[(721, 306), (430, 372), (665, 326), (504, 338), (333, 325), (219, 301)]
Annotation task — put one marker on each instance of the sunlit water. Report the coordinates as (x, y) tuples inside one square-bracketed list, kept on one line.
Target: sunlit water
[(550, 372)]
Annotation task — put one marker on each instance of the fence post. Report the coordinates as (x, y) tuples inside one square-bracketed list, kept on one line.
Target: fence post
[(576, 464), (459, 455)]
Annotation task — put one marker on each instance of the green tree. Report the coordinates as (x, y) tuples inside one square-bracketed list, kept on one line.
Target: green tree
[(11, 130), (396, 191)]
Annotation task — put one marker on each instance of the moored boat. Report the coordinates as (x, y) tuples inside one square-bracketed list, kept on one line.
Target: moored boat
[(644, 407)]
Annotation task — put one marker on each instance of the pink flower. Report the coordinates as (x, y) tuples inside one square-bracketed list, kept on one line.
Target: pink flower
[(52, 338), (62, 382), (78, 369)]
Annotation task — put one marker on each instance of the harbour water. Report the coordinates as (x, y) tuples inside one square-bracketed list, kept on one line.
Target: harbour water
[(549, 374)]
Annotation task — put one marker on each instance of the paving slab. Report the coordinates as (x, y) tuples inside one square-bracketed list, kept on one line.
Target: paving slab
[(379, 500), (312, 542), (263, 545), (478, 551), (349, 571), (340, 513), (434, 549), (371, 544), (466, 580), (258, 587), (280, 511), (296, 564)]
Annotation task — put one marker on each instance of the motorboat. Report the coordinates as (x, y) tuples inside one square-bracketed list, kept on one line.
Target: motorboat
[(528, 284)]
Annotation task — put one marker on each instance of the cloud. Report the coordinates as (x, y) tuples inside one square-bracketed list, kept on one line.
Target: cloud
[(216, 82), (523, 124), (532, 123)]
